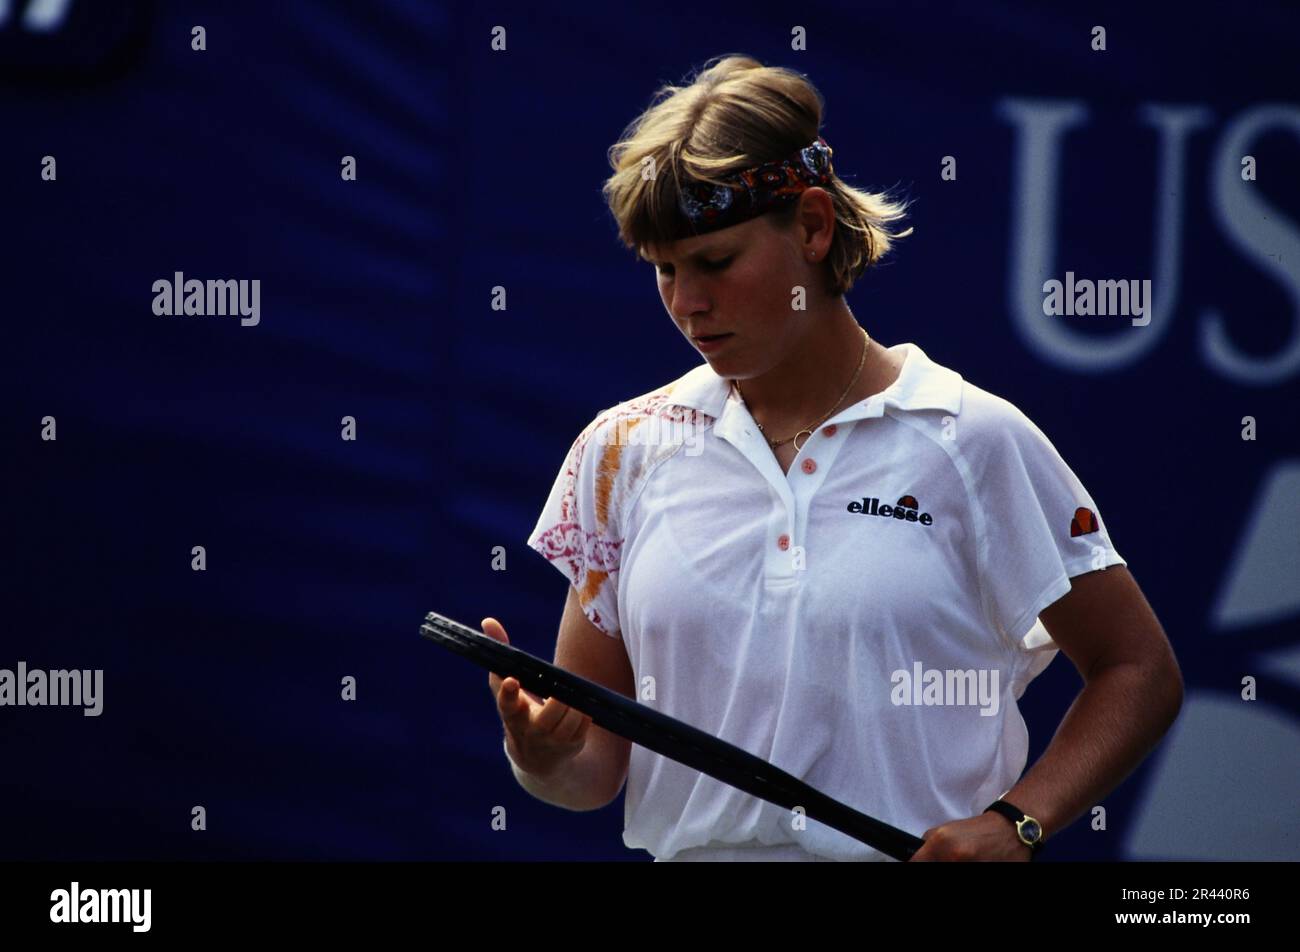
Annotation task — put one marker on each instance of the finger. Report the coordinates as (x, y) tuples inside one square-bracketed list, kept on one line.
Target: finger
[(575, 728), (567, 725), (552, 713), (513, 708), (925, 853), (496, 683), (493, 629)]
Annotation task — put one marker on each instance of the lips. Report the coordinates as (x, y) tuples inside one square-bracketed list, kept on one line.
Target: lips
[(702, 338)]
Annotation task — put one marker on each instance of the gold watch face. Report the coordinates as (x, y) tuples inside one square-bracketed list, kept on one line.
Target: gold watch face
[(1030, 830)]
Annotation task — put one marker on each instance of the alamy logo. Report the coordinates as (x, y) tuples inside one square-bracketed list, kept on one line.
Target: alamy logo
[(905, 510), (1130, 298), (103, 905), (653, 431), (179, 297), (38, 688), (947, 687)]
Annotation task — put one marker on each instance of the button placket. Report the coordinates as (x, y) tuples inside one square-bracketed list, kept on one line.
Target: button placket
[(737, 428), (808, 472)]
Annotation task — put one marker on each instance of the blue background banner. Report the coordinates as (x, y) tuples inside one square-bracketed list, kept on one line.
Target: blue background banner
[(479, 168)]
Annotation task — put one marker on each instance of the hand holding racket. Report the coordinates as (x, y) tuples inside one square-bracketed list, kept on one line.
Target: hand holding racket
[(540, 734)]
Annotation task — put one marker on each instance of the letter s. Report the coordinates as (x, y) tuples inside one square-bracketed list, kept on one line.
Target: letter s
[(1261, 232)]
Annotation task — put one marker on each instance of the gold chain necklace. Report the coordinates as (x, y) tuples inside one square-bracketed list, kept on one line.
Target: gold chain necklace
[(809, 429)]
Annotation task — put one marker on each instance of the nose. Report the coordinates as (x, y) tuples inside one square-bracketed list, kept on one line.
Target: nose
[(685, 297)]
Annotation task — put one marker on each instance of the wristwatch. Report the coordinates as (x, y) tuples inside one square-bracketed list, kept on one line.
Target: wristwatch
[(1028, 829)]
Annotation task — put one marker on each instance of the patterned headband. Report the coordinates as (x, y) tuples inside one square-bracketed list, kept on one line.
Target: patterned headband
[(709, 207)]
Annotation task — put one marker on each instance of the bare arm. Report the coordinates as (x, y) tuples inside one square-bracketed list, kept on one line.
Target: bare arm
[(1132, 693)]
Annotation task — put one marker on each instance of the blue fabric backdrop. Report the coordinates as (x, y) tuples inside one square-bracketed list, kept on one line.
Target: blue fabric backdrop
[(479, 168)]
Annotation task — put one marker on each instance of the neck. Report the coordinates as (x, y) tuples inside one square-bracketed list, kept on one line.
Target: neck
[(812, 375)]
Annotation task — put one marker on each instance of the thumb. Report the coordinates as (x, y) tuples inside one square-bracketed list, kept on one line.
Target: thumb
[(512, 688), (492, 628)]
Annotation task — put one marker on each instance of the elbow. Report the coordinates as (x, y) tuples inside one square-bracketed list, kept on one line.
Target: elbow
[(1177, 703), (1174, 677), (1158, 681), (1164, 681), (1168, 685)]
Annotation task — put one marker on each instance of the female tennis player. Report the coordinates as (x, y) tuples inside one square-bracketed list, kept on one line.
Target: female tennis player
[(840, 556)]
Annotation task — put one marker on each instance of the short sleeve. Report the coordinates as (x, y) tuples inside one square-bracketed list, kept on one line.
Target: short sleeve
[(1039, 527), (578, 530)]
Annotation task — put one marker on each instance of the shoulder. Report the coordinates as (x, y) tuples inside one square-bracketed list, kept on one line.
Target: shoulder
[(1000, 448), (649, 419), (622, 444), (985, 436), (990, 420), (987, 412)]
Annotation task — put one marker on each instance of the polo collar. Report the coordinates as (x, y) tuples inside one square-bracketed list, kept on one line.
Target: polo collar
[(921, 385)]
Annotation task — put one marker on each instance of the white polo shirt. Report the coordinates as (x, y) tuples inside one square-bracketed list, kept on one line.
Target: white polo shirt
[(875, 655)]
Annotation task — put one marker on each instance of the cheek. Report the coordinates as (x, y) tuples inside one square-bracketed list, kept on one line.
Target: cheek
[(762, 288)]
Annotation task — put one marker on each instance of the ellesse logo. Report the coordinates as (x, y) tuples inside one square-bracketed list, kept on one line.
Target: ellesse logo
[(905, 510), (1084, 521)]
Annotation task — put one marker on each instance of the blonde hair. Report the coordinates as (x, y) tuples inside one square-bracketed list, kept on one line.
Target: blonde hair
[(735, 114)]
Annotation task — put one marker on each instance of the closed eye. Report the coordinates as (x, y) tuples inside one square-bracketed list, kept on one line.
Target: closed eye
[(708, 266)]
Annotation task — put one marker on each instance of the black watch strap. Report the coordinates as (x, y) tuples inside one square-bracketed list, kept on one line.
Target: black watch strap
[(1031, 833)]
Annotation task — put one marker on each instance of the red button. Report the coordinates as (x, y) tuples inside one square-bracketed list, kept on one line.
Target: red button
[(783, 543), (830, 430), (809, 465)]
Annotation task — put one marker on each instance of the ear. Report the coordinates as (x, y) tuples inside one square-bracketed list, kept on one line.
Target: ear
[(816, 221)]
